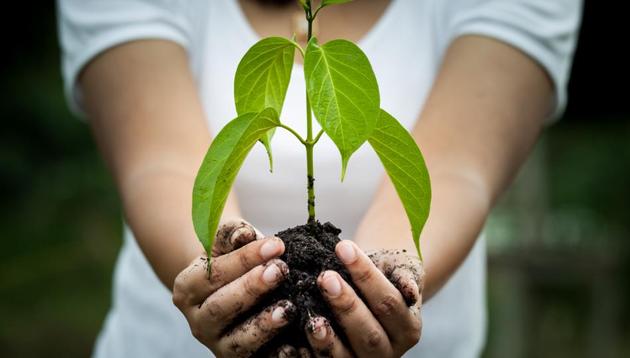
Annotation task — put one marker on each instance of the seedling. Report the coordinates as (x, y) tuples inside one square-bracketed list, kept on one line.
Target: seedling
[(342, 93)]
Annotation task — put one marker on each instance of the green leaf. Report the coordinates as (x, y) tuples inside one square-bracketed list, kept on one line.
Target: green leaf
[(220, 166), (405, 166), (263, 75), (343, 92), (304, 3), (262, 79)]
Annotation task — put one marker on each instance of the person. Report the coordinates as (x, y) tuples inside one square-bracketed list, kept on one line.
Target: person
[(475, 81)]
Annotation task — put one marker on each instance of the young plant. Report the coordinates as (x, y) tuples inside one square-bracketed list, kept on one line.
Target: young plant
[(342, 93)]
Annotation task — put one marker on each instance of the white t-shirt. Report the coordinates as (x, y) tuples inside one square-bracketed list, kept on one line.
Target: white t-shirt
[(405, 48)]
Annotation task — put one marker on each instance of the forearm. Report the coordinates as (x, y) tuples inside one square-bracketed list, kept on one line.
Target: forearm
[(482, 118), (149, 125), (157, 207), (458, 212)]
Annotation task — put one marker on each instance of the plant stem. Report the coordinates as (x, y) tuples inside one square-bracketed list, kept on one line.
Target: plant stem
[(309, 18), (298, 47), (310, 178), (321, 131), (295, 134)]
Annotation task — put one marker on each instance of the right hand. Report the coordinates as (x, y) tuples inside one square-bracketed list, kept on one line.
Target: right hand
[(244, 267)]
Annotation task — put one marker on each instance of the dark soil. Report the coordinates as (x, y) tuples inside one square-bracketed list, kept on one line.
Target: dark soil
[(309, 250)]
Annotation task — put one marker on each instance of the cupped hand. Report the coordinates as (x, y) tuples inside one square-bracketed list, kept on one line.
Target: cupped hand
[(387, 322), (244, 267)]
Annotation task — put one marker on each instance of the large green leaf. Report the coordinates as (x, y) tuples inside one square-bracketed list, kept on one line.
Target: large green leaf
[(343, 93), (220, 166), (405, 166), (263, 75), (262, 79)]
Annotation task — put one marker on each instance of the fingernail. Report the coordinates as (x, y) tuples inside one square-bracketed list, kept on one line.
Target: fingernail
[(277, 316), (346, 252), (269, 249), (271, 274), (331, 284), (320, 333)]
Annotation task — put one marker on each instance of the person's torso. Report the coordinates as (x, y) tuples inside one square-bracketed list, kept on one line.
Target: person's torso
[(404, 54)]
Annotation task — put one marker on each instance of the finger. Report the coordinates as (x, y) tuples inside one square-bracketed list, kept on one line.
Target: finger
[(231, 300), (385, 301), (247, 338), (403, 270), (408, 334), (416, 311), (406, 280), (227, 268), (388, 260), (233, 234), (193, 285), (406, 273), (351, 312), (323, 340)]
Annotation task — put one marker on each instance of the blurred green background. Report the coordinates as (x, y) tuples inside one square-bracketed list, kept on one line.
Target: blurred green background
[(558, 243)]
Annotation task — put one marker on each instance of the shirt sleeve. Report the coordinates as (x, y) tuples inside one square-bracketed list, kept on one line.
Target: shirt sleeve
[(545, 30), (89, 27)]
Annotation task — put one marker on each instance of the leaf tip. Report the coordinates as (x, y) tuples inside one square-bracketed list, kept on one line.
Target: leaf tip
[(270, 159), (415, 232), (344, 166)]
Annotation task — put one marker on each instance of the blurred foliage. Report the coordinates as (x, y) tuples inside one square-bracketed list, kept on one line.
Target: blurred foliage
[(558, 242), (558, 248), (59, 214)]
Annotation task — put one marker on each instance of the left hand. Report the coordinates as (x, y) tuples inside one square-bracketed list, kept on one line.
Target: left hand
[(388, 322)]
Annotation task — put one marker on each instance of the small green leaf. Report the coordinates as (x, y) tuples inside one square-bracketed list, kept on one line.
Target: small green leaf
[(262, 79), (405, 166), (343, 92), (304, 3), (220, 166)]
